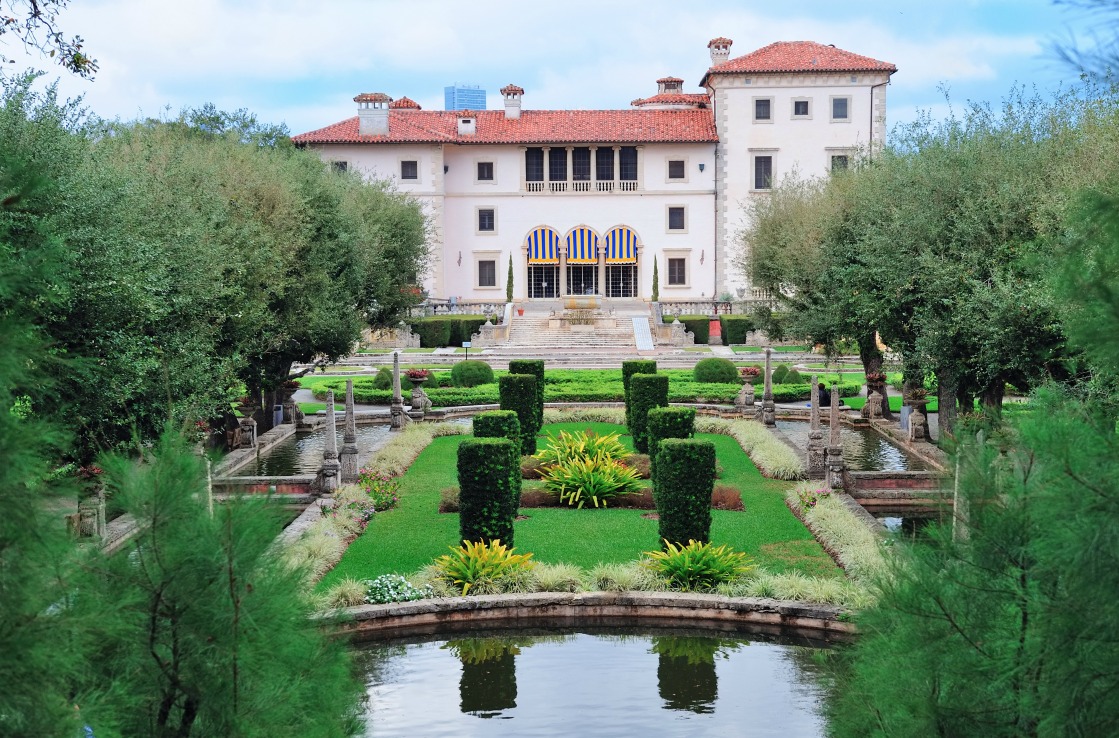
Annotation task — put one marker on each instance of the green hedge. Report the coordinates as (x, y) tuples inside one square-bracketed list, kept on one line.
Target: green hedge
[(501, 424), (517, 392), (715, 370), (471, 373), (682, 486), (667, 422), (446, 330), (646, 391), (487, 500), (629, 368), (699, 325), (735, 328), (383, 381), (535, 367), (779, 373)]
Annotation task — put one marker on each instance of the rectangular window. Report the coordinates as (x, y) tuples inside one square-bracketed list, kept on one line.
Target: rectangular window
[(676, 219), (557, 165), (485, 171), (762, 108), (763, 172), (487, 273), (339, 166), (800, 108), (677, 272), (604, 165), (627, 163), (534, 165), (676, 169), (839, 108), (839, 162), (409, 170), (581, 164), (485, 219)]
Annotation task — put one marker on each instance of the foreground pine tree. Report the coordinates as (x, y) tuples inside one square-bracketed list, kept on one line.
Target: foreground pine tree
[(204, 631)]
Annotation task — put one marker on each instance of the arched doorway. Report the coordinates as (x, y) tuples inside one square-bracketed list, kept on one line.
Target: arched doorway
[(582, 261), (543, 249), (621, 244)]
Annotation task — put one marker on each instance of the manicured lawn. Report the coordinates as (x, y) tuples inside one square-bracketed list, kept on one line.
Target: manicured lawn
[(310, 408), (741, 349), (410, 536)]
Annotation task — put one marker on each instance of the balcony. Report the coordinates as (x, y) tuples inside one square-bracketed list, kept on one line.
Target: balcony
[(581, 187)]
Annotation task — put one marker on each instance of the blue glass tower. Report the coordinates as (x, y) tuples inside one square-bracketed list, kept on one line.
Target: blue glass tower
[(464, 97)]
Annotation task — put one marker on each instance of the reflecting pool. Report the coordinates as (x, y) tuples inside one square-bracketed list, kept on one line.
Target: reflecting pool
[(595, 681), (301, 453), (863, 448)]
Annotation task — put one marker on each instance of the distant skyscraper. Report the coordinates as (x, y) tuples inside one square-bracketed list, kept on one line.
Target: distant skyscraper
[(464, 97)]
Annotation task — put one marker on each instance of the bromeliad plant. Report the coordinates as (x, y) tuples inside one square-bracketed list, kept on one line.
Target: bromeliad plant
[(586, 466), (474, 563), (697, 567), (598, 479)]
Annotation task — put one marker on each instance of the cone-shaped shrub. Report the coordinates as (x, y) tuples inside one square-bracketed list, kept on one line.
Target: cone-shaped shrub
[(667, 422), (502, 424), (487, 501), (518, 393), (646, 391), (629, 368), (682, 485), (535, 367)]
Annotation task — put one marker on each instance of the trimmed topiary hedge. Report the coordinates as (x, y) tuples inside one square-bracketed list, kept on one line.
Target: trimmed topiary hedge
[(629, 368), (667, 422), (535, 367), (518, 393), (735, 328), (502, 424), (682, 486), (699, 325), (646, 391), (383, 381), (471, 373), (487, 500), (446, 330), (715, 369), (779, 373)]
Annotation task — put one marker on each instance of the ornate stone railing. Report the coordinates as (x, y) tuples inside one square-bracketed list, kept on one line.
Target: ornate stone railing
[(672, 308)]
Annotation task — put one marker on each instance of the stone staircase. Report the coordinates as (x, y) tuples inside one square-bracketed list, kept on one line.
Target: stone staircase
[(537, 331)]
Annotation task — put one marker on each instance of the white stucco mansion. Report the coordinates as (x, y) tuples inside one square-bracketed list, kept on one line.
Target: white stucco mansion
[(584, 200)]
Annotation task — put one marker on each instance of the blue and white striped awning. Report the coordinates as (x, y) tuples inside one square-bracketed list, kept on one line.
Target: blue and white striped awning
[(543, 246), (621, 245), (582, 246)]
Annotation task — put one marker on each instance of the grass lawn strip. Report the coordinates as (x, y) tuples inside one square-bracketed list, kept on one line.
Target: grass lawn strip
[(409, 537)]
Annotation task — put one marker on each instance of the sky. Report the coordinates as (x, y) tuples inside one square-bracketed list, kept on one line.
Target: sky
[(300, 62)]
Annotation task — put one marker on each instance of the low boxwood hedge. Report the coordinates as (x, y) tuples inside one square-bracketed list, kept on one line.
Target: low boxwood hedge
[(699, 325), (735, 328)]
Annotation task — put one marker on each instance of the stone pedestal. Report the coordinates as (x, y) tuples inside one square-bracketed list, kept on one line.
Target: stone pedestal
[(816, 456), (396, 408), (331, 468), (348, 455), (744, 402), (873, 407), (834, 476), (421, 403), (248, 432), (91, 516), (918, 431)]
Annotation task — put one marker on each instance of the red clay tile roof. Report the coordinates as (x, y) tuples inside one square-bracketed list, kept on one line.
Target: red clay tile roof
[(673, 98), (800, 56), (404, 103), (372, 97), (533, 127), (512, 90)]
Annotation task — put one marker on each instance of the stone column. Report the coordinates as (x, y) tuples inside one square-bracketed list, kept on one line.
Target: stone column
[(349, 439), (330, 465), (396, 407), (601, 267), (816, 461), (768, 408), (562, 271), (835, 447)]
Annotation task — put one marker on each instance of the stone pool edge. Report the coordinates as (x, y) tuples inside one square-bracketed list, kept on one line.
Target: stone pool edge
[(680, 608)]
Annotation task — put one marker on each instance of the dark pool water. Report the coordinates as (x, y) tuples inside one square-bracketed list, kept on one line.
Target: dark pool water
[(863, 449), (908, 525), (302, 452), (600, 683)]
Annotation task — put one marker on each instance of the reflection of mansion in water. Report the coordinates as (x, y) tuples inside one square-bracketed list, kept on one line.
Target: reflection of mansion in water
[(583, 201)]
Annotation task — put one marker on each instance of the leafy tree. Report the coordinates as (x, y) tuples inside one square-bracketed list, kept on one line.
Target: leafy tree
[(34, 23)]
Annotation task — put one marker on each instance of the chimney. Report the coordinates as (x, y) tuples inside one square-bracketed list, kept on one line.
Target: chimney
[(373, 113), (512, 95), (467, 123), (720, 50), (670, 86)]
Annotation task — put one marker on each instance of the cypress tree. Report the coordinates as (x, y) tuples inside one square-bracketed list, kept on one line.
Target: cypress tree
[(656, 282), (509, 282)]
